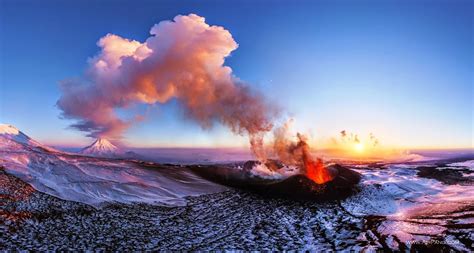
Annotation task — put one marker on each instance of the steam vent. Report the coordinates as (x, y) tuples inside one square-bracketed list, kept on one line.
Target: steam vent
[(296, 187)]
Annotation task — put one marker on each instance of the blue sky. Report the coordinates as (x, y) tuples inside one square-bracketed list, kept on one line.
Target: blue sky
[(402, 70)]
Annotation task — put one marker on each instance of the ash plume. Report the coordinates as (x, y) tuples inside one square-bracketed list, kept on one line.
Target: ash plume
[(297, 152), (183, 59)]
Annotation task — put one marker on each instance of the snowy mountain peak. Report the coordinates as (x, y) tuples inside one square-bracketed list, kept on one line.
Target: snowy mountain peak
[(11, 136), (8, 129), (104, 144), (101, 147), (12, 133)]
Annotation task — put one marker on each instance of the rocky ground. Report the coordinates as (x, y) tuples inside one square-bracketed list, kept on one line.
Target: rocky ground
[(229, 220)]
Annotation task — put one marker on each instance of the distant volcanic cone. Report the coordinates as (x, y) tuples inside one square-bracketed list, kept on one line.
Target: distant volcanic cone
[(101, 147)]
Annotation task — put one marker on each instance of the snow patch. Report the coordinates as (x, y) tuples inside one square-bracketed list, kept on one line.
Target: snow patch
[(398, 192), (469, 164), (261, 170)]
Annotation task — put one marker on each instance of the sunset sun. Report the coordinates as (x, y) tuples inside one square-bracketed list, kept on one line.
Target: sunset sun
[(359, 147)]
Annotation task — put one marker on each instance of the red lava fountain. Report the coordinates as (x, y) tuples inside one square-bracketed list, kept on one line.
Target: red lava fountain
[(314, 168), (298, 153), (316, 171)]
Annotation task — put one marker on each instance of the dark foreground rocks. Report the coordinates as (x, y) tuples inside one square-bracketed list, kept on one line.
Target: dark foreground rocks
[(447, 176), (230, 220)]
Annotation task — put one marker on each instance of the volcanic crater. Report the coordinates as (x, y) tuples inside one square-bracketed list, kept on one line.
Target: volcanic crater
[(295, 187)]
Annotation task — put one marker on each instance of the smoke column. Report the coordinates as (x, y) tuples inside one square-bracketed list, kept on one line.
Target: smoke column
[(297, 152), (183, 59)]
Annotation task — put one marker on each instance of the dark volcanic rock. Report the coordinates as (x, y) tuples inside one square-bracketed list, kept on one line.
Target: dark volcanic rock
[(298, 187), (446, 175)]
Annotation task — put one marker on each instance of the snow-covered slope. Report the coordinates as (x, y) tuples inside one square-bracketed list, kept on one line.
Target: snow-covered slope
[(11, 137), (94, 180), (467, 164), (101, 147), (10, 133)]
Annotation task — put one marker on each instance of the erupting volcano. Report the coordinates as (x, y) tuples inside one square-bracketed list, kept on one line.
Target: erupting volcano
[(313, 168), (295, 174), (296, 152)]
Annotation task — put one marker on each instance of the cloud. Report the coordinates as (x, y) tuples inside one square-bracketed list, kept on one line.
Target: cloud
[(183, 59)]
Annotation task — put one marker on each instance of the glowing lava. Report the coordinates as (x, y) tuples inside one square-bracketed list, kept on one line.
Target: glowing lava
[(314, 168), (297, 153), (316, 171)]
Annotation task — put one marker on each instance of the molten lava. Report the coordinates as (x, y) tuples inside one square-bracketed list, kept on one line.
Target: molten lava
[(314, 169), (298, 153)]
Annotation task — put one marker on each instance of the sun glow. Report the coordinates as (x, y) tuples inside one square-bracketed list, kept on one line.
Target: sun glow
[(359, 147)]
